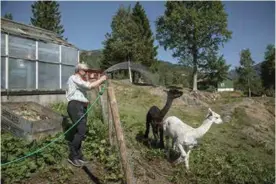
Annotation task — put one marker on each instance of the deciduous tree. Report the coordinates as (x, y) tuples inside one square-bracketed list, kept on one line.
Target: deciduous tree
[(189, 28)]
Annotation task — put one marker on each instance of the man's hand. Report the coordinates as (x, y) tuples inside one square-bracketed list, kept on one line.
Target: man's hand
[(98, 82), (103, 78)]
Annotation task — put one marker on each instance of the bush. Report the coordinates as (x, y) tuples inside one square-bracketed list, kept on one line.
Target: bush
[(270, 92), (211, 89)]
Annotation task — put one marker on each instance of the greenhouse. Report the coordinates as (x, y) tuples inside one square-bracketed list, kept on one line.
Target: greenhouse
[(34, 59)]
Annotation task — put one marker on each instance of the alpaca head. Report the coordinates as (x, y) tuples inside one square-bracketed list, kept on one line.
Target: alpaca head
[(174, 93), (214, 117)]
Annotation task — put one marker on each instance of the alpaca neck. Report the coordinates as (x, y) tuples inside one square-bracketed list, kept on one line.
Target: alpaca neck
[(166, 108), (203, 129)]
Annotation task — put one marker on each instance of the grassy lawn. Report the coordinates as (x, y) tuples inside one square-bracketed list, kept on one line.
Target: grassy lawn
[(226, 153)]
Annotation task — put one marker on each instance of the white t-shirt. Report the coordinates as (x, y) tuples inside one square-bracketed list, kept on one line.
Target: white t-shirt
[(77, 88)]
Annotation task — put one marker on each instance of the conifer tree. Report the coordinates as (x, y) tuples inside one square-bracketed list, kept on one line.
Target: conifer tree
[(247, 76), (46, 15), (149, 51), (268, 68), (8, 16), (122, 44)]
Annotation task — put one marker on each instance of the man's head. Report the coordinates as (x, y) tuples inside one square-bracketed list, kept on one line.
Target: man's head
[(81, 69)]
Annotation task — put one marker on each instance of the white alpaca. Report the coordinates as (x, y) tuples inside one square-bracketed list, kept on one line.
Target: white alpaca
[(184, 136)]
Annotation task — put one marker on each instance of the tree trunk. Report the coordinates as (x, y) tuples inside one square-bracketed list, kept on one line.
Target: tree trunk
[(133, 77), (195, 80), (195, 69), (129, 71), (249, 90)]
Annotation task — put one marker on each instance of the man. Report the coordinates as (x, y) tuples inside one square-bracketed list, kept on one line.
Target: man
[(77, 106)]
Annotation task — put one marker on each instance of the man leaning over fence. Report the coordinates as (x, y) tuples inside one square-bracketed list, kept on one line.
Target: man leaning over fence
[(77, 105)]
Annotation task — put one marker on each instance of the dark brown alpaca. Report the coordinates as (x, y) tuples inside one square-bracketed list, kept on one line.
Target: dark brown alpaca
[(155, 116)]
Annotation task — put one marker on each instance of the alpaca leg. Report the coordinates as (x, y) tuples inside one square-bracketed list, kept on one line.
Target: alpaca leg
[(156, 139), (147, 128), (155, 133), (173, 144), (183, 153), (167, 147), (187, 159), (161, 137)]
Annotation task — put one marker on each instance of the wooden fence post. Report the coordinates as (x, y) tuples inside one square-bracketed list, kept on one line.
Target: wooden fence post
[(104, 103), (110, 123), (119, 134)]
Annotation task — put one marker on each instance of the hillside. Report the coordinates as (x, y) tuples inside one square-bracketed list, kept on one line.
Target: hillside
[(241, 150), (91, 57), (94, 55), (257, 68), (168, 72)]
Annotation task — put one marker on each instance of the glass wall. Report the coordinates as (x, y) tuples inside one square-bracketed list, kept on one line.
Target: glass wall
[(48, 76), (3, 44), (48, 52), (69, 55), (66, 72), (21, 74), (49, 69), (21, 48), (3, 73)]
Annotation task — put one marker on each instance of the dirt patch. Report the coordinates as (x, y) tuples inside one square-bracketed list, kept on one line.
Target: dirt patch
[(151, 171), (258, 111), (206, 97), (91, 173), (29, 114)]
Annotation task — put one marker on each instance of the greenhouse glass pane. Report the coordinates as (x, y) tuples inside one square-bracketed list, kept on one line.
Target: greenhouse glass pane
[(21, 47), (67, 71), (48, 76), (69, 55), (3, 44), (3, 72), (48, 52), (21, 74)]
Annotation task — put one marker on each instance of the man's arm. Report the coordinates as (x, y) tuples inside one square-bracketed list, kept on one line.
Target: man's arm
[(88, 85)]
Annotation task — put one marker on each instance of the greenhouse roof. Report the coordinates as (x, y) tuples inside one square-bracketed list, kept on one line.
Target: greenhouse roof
[(32, 32)]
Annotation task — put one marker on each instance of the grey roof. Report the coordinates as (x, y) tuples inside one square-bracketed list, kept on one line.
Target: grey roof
[(32, 32)]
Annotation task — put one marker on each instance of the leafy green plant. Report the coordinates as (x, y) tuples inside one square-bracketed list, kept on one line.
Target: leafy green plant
[(13, 148), (95, 146)]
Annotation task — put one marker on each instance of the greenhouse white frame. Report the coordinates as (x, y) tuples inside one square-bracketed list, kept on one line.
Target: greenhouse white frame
[(20, 56)]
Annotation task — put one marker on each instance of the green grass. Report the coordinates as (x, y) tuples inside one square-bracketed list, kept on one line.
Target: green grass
[(225, 155)]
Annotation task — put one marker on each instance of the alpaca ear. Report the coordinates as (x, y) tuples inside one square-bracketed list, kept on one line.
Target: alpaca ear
[(210, 112)]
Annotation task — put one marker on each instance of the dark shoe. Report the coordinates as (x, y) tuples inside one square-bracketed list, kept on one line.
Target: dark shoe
[(83, 160), (75, 162)]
